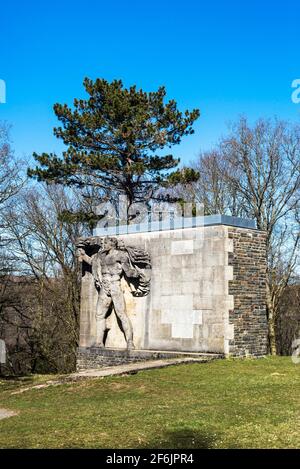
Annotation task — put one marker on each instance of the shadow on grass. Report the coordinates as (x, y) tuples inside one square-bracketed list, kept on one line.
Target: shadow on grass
[(182, 439), (15, 382)]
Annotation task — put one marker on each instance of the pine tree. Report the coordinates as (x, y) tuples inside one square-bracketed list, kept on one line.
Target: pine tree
[(114, 141)]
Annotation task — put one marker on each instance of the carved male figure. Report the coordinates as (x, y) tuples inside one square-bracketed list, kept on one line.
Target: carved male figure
[(110, 263)]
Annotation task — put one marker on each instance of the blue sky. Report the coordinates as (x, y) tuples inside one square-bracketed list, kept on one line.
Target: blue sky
[(226, 58)]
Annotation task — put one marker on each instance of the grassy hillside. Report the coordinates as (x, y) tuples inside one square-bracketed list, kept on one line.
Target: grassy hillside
[(223, 404)]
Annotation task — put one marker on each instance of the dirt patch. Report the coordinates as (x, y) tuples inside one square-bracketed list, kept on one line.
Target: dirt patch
[(38, 386), (5, 413), (119, 386)]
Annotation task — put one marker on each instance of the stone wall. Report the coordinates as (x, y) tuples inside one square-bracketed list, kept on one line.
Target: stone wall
[(248, 288)]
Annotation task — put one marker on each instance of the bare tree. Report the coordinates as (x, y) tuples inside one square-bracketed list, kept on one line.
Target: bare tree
[(11, 180), (255, 173), (10, 168), (212, 189), (43, 247)]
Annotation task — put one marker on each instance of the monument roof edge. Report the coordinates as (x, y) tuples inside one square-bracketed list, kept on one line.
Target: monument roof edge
[(177, 223)]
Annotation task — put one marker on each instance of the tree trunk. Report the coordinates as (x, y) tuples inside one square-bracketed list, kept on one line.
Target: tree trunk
[(271, 332), (271, 322)]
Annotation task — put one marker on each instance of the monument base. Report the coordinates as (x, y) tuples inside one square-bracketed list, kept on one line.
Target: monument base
[(96, 357)]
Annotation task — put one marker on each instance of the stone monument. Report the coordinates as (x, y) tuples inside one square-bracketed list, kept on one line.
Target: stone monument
[(196, 289)]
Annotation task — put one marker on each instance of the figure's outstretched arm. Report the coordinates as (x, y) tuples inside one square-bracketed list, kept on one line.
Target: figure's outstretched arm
[(82, 256), (96, 270)]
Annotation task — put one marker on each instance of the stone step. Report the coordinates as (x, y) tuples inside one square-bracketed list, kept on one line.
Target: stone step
[(133, 368), (92, 358)]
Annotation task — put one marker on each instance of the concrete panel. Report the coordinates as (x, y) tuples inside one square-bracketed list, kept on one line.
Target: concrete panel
[(182, 247)]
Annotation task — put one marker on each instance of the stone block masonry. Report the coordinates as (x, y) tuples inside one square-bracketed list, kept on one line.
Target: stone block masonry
[(248, 288)]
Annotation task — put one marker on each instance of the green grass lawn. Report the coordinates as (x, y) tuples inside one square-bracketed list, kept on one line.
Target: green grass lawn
[(223, 404)]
